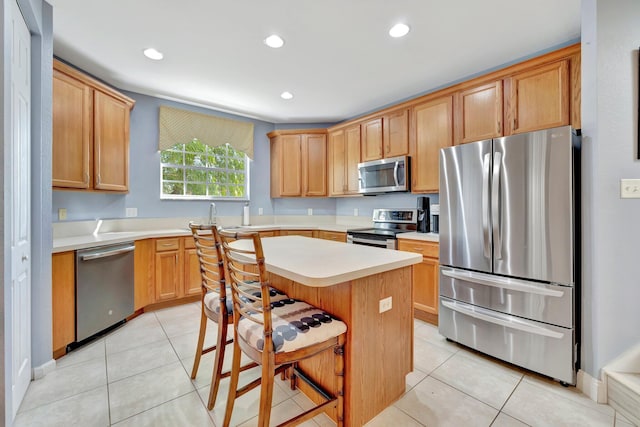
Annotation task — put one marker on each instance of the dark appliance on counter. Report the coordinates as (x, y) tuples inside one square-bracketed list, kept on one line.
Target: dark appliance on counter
[(509, 249), (384, 176), (424, 215), (387, 223)]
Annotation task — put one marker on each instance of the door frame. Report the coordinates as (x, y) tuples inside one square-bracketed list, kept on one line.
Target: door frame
[(38, 16)]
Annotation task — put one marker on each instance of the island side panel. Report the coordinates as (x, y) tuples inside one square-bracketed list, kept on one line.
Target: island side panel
[(379, 347), (382, 343)]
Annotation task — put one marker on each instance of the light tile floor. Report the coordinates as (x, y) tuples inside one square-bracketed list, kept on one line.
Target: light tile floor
[(138, 375)]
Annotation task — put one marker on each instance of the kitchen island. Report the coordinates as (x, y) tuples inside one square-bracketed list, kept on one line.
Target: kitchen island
[(370, 289)]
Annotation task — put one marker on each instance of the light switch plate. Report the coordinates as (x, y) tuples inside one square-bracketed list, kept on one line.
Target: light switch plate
[(62, 214), (260, 211), (310, 211), (131, 212), (630, 188), (355, 211), (385, 304)]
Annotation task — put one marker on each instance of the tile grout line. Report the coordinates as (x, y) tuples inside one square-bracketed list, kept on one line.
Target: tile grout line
[(505, 404)]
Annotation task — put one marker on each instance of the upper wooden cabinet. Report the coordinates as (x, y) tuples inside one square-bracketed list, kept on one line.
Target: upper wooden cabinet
[(431, 130), (478, 112), (344, 156), (298, 163), (90, 133), (538, 98), (386, 136)]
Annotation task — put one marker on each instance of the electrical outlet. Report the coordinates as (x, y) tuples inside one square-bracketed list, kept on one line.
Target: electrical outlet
[(62, 214), (131, 212), (260, 211), (355, 211), (385, 304), (310, 211), (630, 188)]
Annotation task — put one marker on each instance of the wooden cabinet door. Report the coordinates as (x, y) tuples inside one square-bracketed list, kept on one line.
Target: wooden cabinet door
[(337, 163), (192, 277), (352, 151), (111, 143), (314, 164), (144, 282), (539, 98), (304, 233), (63, 301), (425, 278), (371, 148), (290, 165), (425, 285), (396, 133), (432, 129), (168, 271), (72, 126), (478, 113), (336, 236)]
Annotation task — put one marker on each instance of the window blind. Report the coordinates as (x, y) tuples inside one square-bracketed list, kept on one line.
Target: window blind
[(181, 126)]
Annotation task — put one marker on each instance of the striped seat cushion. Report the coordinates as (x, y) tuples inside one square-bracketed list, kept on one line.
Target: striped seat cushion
[(296, 325), (212, 299)]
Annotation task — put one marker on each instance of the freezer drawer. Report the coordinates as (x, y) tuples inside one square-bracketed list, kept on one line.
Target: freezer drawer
[(542, 302), (539, 347)]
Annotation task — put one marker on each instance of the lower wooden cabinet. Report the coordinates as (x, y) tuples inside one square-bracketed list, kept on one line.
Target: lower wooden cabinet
[(192, 276), (336, 236), (63, 301), (425, 278), (305, 233), (168, 267)]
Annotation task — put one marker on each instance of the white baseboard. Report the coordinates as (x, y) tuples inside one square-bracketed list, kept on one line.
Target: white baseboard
[(44, 369), (592, 387)]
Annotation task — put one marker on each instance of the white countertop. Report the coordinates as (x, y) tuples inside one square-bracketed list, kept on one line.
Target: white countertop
[(89, 240), (427, 237), (317, 262)]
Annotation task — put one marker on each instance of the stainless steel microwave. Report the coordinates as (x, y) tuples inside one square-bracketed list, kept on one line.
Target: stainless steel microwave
[(384, 175)]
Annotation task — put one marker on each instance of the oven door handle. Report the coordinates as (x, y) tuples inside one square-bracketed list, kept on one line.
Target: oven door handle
[(381, 243)]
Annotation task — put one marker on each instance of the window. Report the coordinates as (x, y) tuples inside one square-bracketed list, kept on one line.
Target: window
[(198, 171)]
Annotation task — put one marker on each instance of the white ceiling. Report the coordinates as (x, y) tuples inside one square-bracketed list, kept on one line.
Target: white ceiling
[(338, 59)]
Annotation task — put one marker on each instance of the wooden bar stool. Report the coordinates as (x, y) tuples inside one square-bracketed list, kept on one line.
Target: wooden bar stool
[(216, 303), (275, 334)]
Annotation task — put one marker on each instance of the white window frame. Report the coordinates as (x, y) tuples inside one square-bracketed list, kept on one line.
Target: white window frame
[(163, 196)]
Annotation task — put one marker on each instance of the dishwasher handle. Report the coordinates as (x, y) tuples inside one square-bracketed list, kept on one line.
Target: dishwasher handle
[(107, 253)]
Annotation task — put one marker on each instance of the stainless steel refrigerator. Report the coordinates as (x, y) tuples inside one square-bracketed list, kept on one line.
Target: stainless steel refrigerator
[(509, 249)]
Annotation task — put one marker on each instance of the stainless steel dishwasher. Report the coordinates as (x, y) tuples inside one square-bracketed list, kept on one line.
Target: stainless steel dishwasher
[(104, 288)]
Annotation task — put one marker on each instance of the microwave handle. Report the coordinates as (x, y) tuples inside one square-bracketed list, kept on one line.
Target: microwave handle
[(395, 173)]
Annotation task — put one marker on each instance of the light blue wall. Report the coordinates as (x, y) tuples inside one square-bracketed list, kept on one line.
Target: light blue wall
[(611, 234)]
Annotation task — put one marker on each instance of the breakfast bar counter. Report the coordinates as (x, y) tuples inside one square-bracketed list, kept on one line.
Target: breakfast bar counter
[(369, 289)]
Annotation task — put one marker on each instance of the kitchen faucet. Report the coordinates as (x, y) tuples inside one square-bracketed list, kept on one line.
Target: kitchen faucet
[(212, 213)]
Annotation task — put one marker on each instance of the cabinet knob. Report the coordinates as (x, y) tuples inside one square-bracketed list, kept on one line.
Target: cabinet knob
[(25, 258)]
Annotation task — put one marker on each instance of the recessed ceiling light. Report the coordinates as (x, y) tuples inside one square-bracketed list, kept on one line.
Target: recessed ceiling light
[(286, 95), (151, 53), (399, 30), (274, 41)]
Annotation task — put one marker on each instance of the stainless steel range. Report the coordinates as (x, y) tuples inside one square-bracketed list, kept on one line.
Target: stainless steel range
[(387, 224)]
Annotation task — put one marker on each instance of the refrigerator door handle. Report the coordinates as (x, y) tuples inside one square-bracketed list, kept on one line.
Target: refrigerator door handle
[(500, 319), (502, 282), (495, 205), (485, 204)]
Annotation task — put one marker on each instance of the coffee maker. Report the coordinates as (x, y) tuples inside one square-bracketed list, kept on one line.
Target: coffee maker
[(424, 215)]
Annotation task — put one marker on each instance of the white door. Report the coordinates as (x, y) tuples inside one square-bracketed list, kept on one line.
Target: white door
[(19, 207)]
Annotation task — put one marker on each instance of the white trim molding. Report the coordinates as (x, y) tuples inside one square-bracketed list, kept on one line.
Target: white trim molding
[(44, 369), (592, 387)]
